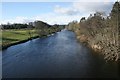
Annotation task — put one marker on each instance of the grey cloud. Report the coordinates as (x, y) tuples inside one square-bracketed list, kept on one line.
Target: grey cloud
[(84, 7), (87, 7)]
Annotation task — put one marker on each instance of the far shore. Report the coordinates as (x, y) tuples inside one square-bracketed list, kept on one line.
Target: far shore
[(22, 41)]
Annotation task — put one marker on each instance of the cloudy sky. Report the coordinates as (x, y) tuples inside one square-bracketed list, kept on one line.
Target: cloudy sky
[(54, 12)]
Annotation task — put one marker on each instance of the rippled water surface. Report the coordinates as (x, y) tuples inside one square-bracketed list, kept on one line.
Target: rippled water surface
[(57, 56)]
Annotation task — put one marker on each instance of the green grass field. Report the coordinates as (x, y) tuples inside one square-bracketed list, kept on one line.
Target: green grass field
[(14, 35)]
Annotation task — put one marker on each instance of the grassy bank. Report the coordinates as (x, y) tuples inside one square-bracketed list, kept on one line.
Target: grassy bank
[(15, 36)]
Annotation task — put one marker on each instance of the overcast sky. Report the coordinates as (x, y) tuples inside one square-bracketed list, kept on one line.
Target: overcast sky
[(51, 12)]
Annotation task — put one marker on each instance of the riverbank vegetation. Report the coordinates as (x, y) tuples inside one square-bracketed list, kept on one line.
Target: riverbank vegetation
[(101, 33), (12, 34), (44, 29)]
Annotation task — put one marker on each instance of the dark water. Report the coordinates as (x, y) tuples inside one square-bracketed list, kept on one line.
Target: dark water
[(57, 56)]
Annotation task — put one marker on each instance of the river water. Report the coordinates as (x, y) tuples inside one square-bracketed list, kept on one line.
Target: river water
[(57, 56)]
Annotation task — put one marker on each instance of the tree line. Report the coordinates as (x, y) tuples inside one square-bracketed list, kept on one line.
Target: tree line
[(28, 25), (44, 29), (14, 26), (40, 27), (101, 33)]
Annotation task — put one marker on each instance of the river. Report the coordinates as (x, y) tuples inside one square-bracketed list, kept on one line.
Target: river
[(57, 56)]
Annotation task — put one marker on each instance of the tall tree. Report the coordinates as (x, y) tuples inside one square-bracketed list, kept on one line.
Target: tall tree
[(115, 23)]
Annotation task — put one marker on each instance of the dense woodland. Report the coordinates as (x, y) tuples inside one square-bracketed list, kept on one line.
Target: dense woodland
[(100, 33), (14, 26), (44, 29)]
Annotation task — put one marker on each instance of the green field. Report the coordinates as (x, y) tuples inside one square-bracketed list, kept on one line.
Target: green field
[(12, 36)]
